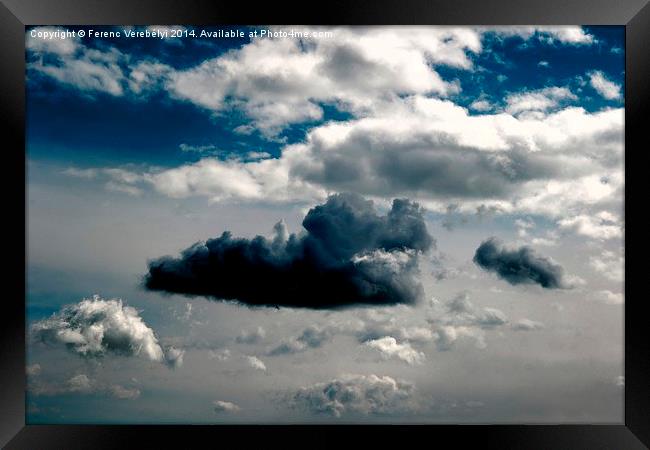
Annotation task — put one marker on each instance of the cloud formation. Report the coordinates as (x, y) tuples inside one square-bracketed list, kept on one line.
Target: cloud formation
[(357, 394), (255, 363), (519, 265), (95, 327), (82, 384), (605, 87), (388, 347), (349, 255), (221, 406), (311, 337)]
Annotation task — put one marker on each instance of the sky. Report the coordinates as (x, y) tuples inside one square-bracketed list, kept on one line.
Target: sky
[(325, 225)]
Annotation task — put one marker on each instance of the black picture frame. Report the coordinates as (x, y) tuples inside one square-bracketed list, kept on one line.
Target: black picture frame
[(16, 14)]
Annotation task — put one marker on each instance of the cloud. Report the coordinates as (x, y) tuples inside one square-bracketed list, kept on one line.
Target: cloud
[(96, 327), (220, 355), (481, 105), (562, 161), (82, 384), (388, 347), (92, 70), (605, 87), (447, 335), (609, 264), (277, 82), (538, 100), (527, 325), (462, 312), (348, 256), (569, 35), (251, 337), (85, 68), (357, 394), (608, 297), (255, 363), (81, 173), (174, 357), (311, 337), (601, 226), (121, 392), (221, 407), (33, 370), (519, 265)]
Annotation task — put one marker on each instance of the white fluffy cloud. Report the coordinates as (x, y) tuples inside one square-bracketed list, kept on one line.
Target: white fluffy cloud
[(572, 35), (282, 81), (388, 347), (538, 100), (85, 68), (221, 406), (174, 357), (605, 87), (357, 394), (96, 327), (255, 363), (601, 226)]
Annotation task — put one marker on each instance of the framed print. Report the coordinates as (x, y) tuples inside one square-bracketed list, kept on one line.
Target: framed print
[(385, 219)]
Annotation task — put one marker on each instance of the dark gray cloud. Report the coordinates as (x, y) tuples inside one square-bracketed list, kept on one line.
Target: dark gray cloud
[(422, 164), (519, 265), (348, 255)]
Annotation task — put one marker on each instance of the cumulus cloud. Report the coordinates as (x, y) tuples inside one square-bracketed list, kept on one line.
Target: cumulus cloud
[(608, 89), (520, 265), (251, 337), (569, 35), (418, 147), (388, 347), (601, 226), (481, 105), (85, 68), (461, 311), (174, 357), (221, 406), (538, 100), (348, 255), (311, 337), (96, 327), (447, 335), (357, 394), (92, 70), (255, 363), (277, 82)]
